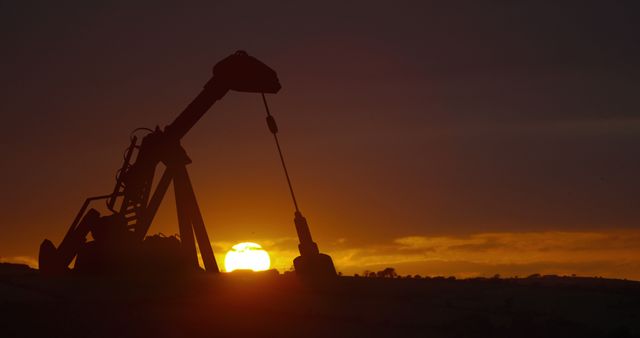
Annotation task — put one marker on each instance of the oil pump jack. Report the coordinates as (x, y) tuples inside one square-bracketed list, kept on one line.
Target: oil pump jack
[(120, 242)]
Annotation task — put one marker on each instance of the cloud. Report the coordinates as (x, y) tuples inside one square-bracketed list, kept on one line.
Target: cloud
[(606, 253)]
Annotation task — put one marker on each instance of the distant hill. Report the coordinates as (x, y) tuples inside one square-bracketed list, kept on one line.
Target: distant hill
[(12, 268)]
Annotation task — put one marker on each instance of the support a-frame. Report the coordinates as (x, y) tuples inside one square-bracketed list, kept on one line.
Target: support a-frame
[(190, 220)]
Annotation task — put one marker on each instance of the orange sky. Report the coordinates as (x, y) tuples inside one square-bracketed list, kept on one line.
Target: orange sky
[(439, 139)]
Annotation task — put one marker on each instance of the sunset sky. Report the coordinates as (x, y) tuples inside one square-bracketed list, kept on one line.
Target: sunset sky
[(440, 138)]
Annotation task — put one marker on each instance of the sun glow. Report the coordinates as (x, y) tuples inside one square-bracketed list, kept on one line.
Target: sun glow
[(247, 256)]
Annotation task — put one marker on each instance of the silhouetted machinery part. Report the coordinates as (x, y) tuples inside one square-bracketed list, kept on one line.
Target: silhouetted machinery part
[(120, 243), (311, 263), (119, 240)]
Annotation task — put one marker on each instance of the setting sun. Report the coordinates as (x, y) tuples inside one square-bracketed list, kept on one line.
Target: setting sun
[(247, 256)]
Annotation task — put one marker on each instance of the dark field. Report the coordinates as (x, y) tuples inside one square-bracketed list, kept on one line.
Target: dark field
[(271, 305)]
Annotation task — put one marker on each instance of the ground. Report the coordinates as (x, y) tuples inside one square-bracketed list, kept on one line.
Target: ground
[(272, 305)]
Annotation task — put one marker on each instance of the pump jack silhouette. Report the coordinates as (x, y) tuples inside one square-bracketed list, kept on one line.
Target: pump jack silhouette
[(120, 242)]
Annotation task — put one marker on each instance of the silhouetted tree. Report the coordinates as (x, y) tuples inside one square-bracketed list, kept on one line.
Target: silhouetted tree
[(387, 273), (390, 272)]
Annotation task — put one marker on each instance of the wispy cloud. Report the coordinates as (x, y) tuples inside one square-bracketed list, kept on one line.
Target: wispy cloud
[(611, 254)]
